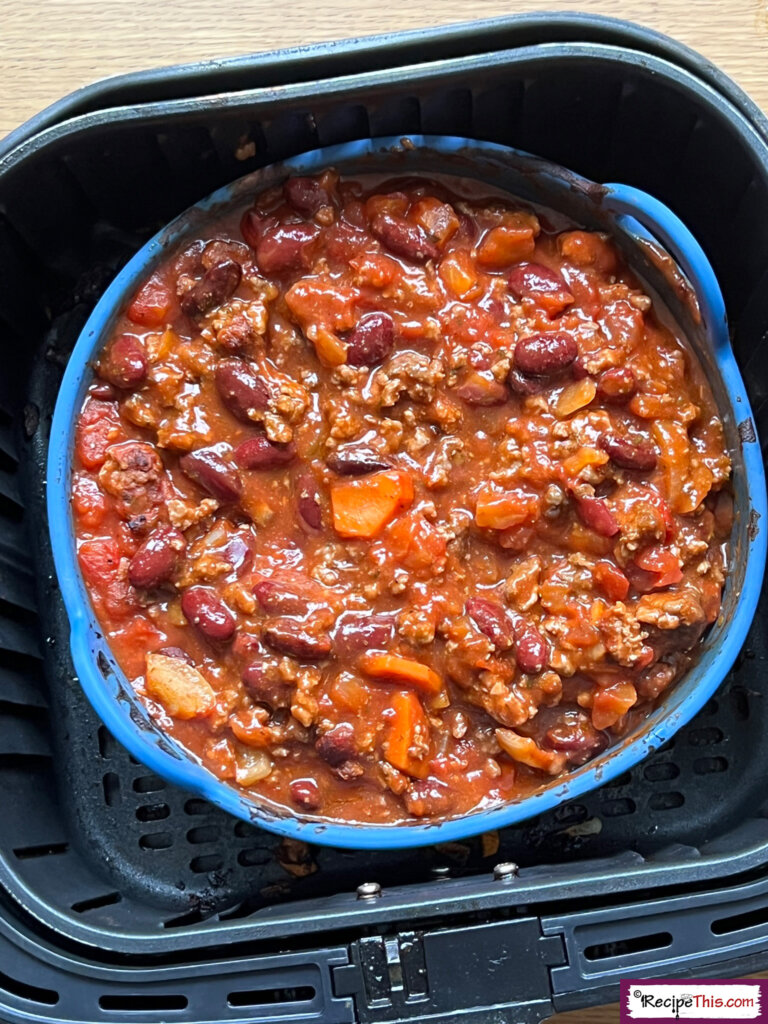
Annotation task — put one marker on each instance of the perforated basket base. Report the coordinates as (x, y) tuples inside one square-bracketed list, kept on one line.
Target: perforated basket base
[(87, 834)]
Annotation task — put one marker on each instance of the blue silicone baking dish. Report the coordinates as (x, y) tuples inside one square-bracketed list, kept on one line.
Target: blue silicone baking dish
[(649, 233)]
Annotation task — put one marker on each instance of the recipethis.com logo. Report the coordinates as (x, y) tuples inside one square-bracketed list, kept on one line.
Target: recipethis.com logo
[(696, 1000)]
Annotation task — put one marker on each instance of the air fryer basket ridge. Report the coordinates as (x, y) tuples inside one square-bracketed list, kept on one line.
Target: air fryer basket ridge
[(136, 857)]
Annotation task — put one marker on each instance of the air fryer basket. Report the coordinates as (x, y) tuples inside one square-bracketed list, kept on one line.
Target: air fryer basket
[(104, 853)]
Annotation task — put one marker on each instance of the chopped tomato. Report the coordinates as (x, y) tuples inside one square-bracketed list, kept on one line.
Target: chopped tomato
[(97, 429), (612, 703), (611, 580), (152, 303), (99, 561), (663, 563), (415, 542), (88, 501)]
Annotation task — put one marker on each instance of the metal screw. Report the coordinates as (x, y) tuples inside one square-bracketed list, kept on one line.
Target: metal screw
[(368, 891), (505, 871)]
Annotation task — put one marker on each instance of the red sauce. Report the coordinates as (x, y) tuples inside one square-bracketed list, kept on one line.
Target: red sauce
[(395, 504)]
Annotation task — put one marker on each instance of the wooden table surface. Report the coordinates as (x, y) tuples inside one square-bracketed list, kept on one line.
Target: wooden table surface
[(50, 47)]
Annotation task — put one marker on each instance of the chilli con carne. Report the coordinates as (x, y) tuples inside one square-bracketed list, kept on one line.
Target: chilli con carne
[(396, 502)]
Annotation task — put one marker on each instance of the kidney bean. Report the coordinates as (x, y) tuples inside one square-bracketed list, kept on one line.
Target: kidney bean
[(545, 286), (616, 385), (371, 341), (287, 636), (531, 650), (242, 391), (337, 745), (522, 385), (544, 354), (208, 468), (403, 238), (208, 614), (483, 390), (286, 248), (176, 652), (595, 514), (238, 552), (628, 454), (308, 503), (157, 559), (263, 683), (261, 453), (214, 288), (359, 631), (355, 460), (125, 363), (491, 620), (276, 600), (104, 391), (254, 226), (306, 793), (306, 195), (576, 737)]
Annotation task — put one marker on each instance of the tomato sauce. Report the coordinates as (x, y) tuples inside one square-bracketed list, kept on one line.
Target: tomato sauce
[(395, 502)]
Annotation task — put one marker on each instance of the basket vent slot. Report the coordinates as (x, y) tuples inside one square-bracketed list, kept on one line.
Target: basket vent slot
[(143, 1004), (738, 922), (710, 765), (156, 841), (96, 902), (44, 850), (25, 991), (666, 801), (661, 772), (263, 997), (637, 944), (148, 784), (153, 812)]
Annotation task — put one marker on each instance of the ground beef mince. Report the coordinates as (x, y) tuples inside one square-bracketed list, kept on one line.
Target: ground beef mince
[(394, 501)]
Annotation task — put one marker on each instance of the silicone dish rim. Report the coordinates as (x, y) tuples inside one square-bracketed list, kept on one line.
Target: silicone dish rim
[(638, 216)]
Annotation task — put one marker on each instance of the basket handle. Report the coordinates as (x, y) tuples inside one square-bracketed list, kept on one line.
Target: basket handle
[(643, 216)]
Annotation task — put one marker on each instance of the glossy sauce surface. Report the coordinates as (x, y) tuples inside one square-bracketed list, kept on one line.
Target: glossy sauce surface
[(394, 503)]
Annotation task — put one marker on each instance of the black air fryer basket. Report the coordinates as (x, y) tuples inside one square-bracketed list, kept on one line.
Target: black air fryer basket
[(124, 899)]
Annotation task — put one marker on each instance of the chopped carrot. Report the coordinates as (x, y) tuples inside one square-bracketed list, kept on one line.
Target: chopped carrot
[(394, 203), (407, 746), (401, 670), (331, 351), (505, 245), (611, 580), (362, 507), (458, 274), (588, 249), (497, 510), (437, 219)]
